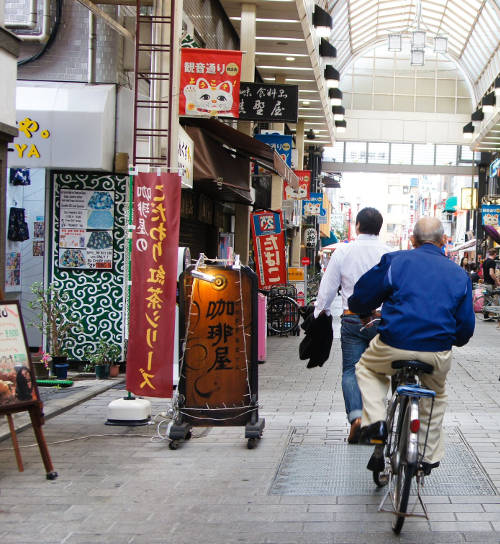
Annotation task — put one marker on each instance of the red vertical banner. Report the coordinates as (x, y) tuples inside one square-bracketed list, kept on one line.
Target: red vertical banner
[(210, 82), (154, 282), (304, 190), (269, 248)]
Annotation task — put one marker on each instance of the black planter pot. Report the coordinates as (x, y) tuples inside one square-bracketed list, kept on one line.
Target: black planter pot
[(58, 360)]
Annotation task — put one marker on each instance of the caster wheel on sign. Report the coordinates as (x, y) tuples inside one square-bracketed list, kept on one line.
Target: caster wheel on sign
[(251, 443), (173, 444), (51, 475)]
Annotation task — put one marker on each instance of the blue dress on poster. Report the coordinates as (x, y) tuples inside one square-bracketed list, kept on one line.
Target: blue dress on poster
[(101, 217)]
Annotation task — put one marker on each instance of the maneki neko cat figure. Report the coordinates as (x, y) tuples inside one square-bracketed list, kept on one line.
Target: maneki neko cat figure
[(209, 99)]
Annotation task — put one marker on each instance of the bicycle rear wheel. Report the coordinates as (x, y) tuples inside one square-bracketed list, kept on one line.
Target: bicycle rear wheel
[(405, 470), (282, 315)]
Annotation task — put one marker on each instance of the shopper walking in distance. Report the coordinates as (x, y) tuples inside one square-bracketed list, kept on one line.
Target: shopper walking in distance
[(347, 264), (489, 267)]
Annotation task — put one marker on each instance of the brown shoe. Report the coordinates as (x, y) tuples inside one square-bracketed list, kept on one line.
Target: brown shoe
[(353, 437)]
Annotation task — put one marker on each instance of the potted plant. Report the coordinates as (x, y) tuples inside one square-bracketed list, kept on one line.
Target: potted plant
[(104, 359), (54, 307)]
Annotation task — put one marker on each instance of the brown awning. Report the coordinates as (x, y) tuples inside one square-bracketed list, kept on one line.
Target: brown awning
[(217, 172), (243, 145)]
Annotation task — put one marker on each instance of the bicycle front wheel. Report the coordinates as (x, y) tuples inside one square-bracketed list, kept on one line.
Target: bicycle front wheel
[(282, 315), (405, 470)]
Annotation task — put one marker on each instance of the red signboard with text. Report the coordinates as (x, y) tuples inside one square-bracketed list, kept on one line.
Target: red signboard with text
[(304, 190), (269, 248), (154, 282), (210, 82)]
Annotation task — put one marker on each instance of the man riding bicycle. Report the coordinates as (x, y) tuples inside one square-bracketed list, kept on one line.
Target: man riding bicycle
[(427, 309)]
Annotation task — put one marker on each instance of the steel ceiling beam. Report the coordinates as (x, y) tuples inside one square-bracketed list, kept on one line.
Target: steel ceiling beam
[(107, 19)]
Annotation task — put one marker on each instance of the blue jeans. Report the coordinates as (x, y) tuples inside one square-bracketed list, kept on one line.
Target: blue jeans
[(353, 342)]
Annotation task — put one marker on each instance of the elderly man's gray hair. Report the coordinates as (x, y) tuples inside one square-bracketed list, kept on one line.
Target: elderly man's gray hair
[(428, 229)]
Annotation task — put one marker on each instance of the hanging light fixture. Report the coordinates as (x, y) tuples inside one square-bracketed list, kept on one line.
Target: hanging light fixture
[(395, 42), (468, 131), (417, 37), (322, 21), (338, 113), (332, 77), (489, 101), (477, 117), (326, 50), (340, 126), (440, 44), (417, 57), (335, 96)]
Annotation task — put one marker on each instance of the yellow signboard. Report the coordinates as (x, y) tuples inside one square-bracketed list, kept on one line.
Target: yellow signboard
[(468, 200), (295, 274)]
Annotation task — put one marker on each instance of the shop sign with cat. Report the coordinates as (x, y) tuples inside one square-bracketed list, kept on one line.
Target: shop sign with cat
[(210, 82)]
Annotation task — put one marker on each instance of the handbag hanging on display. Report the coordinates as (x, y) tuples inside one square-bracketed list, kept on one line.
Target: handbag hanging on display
[(18, 228)]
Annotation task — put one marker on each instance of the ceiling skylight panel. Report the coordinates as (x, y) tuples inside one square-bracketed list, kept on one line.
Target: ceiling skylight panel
[(485, 36), (470, 7), (363, 39), (362, 31), (399, 18), (361, 5), (457, 25), (432, 10), (470, 66), (363, 18), (455, 45), (475, 61), (395, 4), (456, 14), (480, 32), (491, 23)]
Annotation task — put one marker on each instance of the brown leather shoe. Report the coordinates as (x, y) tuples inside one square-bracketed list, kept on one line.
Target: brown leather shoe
[(353, 437)]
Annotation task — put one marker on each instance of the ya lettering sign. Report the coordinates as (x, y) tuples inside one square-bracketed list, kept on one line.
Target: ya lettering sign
[(269, 248), (154, 282), (29, 129), (210, 82)]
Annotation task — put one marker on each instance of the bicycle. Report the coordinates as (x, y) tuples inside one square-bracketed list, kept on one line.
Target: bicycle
[(486, 305), (397, 462), (282, 310)]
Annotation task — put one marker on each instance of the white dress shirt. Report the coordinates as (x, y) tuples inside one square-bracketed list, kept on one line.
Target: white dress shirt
[(347, 264)]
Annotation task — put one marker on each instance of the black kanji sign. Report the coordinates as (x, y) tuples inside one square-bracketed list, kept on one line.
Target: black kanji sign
[(274, 103)]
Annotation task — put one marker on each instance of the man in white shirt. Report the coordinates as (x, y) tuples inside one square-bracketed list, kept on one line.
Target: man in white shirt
[(348, 263)]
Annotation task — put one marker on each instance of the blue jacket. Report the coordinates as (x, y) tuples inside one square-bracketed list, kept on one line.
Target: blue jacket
[(427, 300)]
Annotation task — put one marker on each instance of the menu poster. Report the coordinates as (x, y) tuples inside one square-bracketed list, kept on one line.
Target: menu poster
[(86, 229), (17, 382), (13, 271)]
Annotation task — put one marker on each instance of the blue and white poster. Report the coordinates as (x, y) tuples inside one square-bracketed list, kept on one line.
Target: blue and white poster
[(314, 206), (280, 143), (490, 214)]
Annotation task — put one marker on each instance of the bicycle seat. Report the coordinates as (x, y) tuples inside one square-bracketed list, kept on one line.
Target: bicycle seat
[(413, 365)]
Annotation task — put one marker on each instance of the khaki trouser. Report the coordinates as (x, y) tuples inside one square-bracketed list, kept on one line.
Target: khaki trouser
[(373, 371)]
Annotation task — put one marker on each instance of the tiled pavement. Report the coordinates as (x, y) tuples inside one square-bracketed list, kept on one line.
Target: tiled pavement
[(122, 487)]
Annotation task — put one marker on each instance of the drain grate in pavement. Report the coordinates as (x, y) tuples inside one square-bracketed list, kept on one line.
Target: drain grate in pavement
[(340, 469)]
